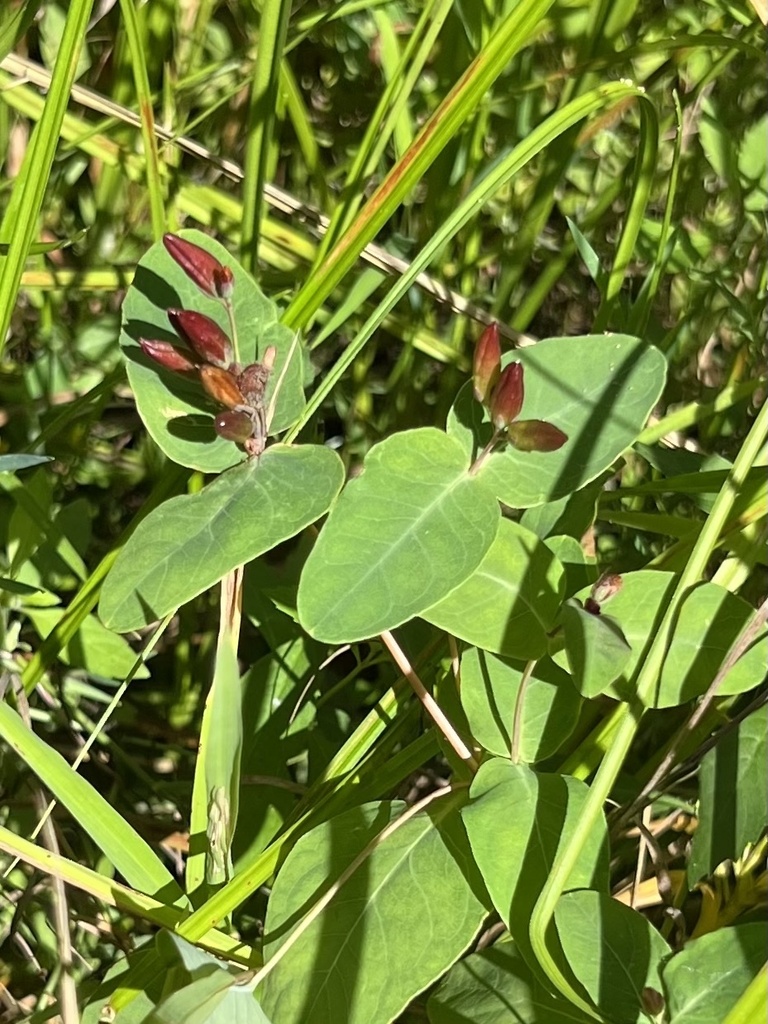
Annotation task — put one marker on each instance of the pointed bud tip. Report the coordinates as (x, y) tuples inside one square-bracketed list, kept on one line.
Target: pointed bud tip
[(208, 273), (507, 396), (164, 353), (487, 362)]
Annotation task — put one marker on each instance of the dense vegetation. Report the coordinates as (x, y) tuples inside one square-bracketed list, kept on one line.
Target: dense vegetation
[(376, 672)]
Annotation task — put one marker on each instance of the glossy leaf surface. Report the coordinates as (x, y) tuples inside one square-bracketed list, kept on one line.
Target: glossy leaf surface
[(706, 978), (517, 820), (710, 621), (613, 951), (497, 986)]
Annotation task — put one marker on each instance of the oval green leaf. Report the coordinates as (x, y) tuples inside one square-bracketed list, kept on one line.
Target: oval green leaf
[(710, 621), (402, 535), (599, 389), (188, 544), (613, 951), (509, 603), (595, 647), (496, 986), (517, 821), (490, 690), (402, 917), (174, 407), (706, 979)]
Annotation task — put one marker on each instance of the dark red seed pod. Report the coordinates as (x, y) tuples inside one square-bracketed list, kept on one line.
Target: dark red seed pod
[(221, 386), (234, 426), (198, 264), (164, 353), (536, 436), (507, 396), (487, 363), (203, 335)]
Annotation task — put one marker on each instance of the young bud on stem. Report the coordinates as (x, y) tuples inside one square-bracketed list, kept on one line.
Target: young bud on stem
[(535, 436), (234, 426), (205, 270), (507, 396), (221, 386), (164, 353), (203, 335), (487, 364)]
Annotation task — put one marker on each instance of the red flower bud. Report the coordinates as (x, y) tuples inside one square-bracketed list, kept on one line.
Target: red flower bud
[(536, 436), (507, 396), (203, 335), (487, 365), (234, 426), (221, 386), (224, 282), (652, 1001), (163, 352), (205, 270)]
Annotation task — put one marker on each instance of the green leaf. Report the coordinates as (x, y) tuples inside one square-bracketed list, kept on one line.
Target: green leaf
[(121, 845), (509, 603), (571, 515), (398, 922), (589, 256), (12, 463), (496, 986), (580, 569), (93, 647), (191, 541), (211, 997), (216, 787), (402, 535), (733, 795), (705, 979), (490, 691), (613, 951), (598, 389), (595, 648), (174, 408), (188, 986), (14, 24), (718, 142), (517, 821), (710, 620)]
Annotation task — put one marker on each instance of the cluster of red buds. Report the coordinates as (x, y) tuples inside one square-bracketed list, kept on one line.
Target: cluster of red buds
[(210, 353), (502, 393)]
